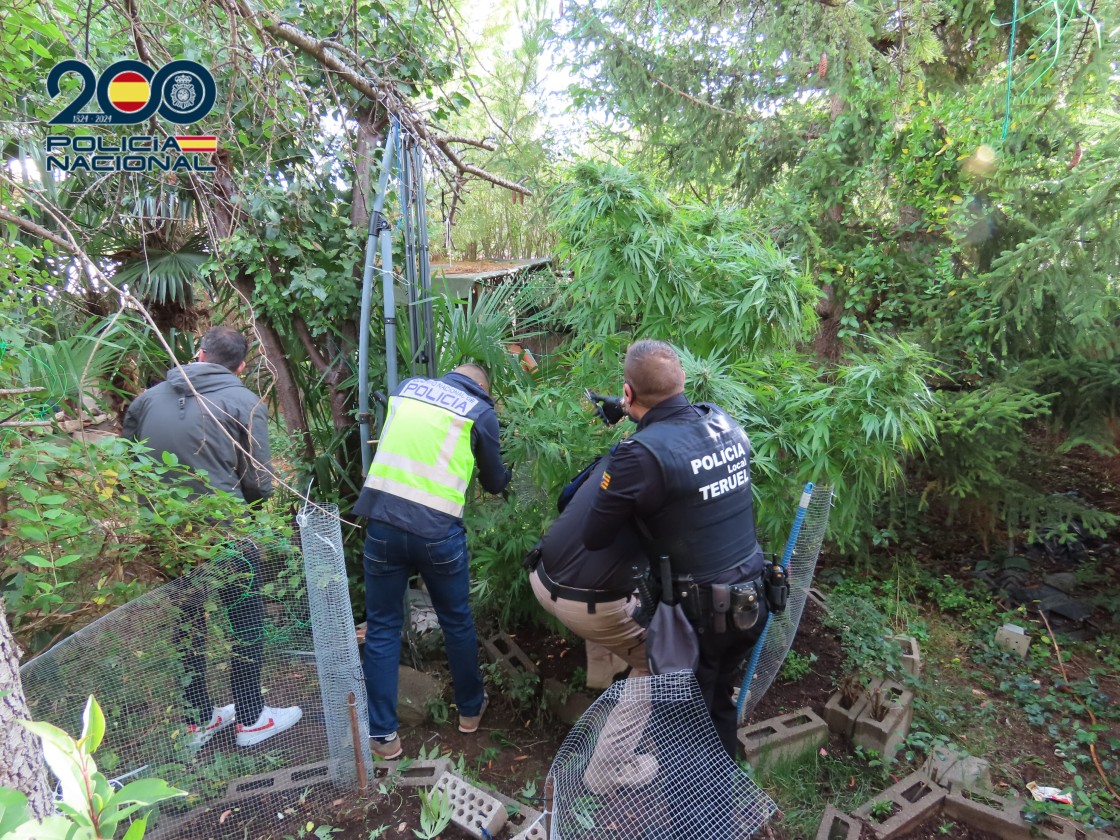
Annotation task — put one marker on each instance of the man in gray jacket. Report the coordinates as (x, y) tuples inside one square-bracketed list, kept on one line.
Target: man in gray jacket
[(212, 423)]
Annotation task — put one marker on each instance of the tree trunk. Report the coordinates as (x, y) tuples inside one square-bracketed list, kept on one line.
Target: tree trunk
[(287, 394), (21, 756), (369, 139), (224, 211)]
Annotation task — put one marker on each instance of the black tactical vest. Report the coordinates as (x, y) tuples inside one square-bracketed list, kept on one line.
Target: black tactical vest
[(707, 524)]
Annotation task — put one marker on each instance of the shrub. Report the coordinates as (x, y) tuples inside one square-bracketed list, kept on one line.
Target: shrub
[(88, 526)]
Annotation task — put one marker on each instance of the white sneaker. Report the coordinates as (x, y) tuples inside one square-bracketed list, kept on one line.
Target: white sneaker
[(199, 736), (271, 722)]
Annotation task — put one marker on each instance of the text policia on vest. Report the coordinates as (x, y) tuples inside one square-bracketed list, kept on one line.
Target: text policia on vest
[(734, 458), (439, 393)]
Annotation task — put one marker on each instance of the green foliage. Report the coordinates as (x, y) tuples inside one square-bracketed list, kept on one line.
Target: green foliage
[(796, 666), (521, 688), (981, 439), (722, 293), (643, 265), (84, 518), (1077, 716), (435, 813), (1091, 808), (90, 808), (805, 786), (864, 633), (481, 221), (868, 140), (853, 431), (879, 811)]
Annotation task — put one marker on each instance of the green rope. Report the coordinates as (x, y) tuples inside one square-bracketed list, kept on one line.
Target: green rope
[(1065, 13), (1010, 69)]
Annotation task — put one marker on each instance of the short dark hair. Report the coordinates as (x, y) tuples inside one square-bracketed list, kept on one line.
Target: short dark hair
[(475, 372), (224, 346), (654, 371)]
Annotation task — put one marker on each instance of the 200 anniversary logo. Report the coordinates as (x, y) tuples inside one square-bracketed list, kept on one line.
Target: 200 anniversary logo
[(130, 92)]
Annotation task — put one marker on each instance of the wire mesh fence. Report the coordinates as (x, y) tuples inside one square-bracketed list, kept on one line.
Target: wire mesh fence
[(771, 650), (236, 683), (645, 762)]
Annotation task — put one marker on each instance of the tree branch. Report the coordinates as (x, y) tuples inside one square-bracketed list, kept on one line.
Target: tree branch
[(40, 231), (381, 92), (481, 144), (313, 352), (690, 98)]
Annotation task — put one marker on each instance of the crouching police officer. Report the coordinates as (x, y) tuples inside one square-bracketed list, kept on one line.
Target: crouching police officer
[(684, 478), (592, 592)]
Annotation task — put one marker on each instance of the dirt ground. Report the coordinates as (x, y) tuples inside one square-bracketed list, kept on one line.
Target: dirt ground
[(513, 750)]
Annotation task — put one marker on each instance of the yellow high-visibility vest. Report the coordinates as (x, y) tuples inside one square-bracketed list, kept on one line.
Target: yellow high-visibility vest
[(424, 454)]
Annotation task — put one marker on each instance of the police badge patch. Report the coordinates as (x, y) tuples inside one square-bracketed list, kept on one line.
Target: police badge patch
[(185, 89)]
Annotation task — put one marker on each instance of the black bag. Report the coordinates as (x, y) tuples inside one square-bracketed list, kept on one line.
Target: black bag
[(671, 643)]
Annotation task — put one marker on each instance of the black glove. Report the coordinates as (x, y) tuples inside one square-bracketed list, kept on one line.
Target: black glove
[(608, 408)]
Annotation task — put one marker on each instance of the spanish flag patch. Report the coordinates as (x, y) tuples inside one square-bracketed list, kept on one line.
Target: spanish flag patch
[(606, 482)]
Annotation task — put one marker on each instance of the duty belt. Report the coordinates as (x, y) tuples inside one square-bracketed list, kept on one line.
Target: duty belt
[(591, 597), (718, 607)]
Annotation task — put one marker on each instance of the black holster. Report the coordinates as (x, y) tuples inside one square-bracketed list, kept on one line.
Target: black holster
[(530, 560), (649, 591), (775, 583), (718, 607)]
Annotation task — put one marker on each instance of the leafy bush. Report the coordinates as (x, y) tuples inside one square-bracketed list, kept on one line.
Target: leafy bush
[(976, 466), (737, 310), (88, 526), (90, 808), (704, 275), (864, 633)]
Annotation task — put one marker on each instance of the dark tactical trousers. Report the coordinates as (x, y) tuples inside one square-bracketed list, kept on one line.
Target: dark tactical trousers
[(223, 597)]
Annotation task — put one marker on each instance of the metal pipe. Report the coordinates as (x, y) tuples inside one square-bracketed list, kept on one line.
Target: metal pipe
[(376, 223), (408, 213), (425, 268)]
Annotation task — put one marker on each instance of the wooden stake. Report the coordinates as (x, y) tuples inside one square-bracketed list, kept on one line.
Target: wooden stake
[(549, 793), (355, 736)]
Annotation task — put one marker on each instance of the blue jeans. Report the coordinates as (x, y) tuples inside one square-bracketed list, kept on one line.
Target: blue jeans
[(390, 558)]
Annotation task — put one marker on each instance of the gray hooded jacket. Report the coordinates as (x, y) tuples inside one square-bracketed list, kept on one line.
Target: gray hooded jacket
[(170, 418)]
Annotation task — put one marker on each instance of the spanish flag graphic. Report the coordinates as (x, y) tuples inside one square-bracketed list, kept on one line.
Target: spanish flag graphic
[(197, 143), (129, 91)]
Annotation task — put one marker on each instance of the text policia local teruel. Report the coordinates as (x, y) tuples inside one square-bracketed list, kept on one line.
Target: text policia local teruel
[(734, 457), (135, 153)]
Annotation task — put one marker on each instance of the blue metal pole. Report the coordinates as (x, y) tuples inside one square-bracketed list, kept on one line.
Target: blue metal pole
[(377, 227), (787, 555)]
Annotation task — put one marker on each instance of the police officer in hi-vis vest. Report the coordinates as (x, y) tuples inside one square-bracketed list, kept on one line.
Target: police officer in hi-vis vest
[(685, 475), (435, 432)]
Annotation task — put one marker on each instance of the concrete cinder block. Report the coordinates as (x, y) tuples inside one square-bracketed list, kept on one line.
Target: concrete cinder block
[(567, 705), (840, 720), (1058, 829), (286, 779), (911, 655), (473, 810), (915, 798), (836, 825), (1014, 639), (783, 738), (998, 815), (533, 831), (885, 736), (501, 648), (409, 773), (521, 817)]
